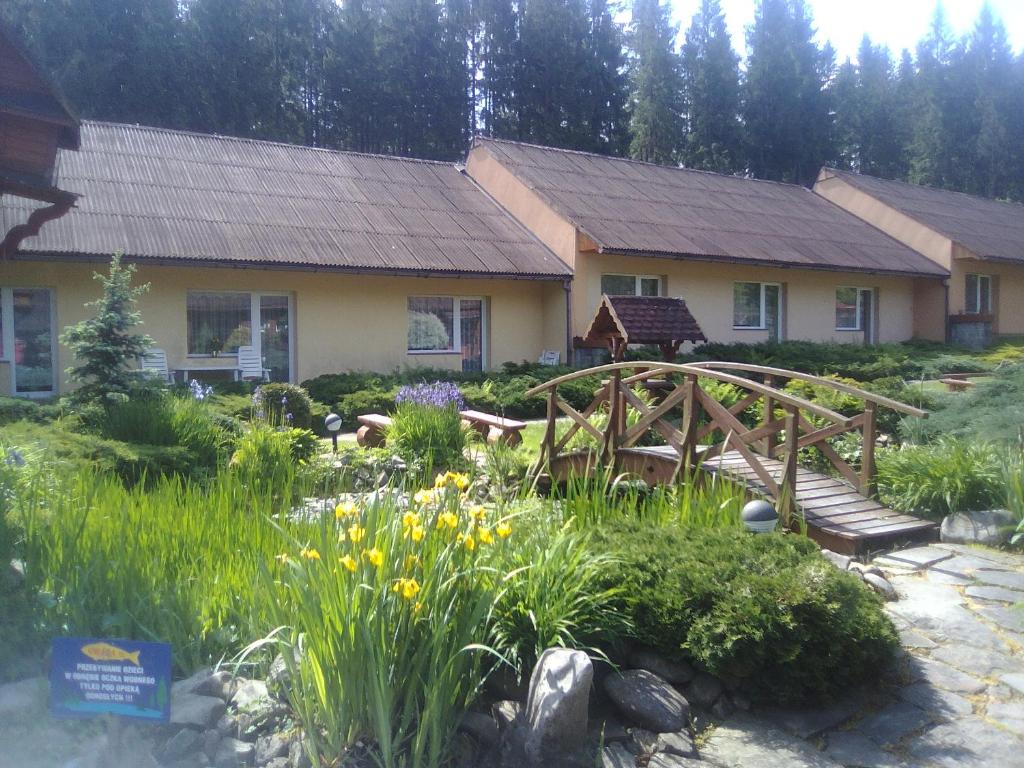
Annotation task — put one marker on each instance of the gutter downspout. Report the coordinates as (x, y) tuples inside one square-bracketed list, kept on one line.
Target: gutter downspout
[(567, 288), (949, 326)]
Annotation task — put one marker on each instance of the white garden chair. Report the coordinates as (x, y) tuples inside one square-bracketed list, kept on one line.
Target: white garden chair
[(251, 365), (154, 363)]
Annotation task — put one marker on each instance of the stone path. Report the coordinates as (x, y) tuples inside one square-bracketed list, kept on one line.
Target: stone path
[(955, 699)]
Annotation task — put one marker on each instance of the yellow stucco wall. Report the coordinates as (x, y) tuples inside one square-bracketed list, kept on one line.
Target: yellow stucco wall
[(1007, 289), (809, 303), (341, 322)]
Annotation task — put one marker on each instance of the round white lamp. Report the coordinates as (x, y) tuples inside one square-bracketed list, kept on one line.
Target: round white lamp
[(333, 424)]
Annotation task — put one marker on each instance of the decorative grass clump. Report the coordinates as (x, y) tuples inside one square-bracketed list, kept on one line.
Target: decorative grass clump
[(426, 428), (766, 610)]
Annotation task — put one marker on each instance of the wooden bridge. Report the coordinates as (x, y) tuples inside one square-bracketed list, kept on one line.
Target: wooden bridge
[(696, 430)]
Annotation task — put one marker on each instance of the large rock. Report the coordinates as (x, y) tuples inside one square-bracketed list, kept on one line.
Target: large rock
[(992, 527), (675, 672), (196, 711), (251, 694), (198, 680), (648, 700), (22, 697), (704, 690), (232, 753), (556, 708)]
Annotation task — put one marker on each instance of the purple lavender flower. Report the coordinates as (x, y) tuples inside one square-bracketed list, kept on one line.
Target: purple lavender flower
[(198, 391), (439, 394)]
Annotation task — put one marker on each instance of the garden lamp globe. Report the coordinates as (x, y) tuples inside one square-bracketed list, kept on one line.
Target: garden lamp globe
[(759, 516), (332, 422)]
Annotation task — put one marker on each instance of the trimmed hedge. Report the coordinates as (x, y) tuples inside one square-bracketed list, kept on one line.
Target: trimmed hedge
[(767, 610)]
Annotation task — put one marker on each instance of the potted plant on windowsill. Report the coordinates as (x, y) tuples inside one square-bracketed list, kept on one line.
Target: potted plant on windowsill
[(215, 347)]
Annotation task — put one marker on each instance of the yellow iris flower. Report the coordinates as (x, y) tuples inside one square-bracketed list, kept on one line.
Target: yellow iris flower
[(310, 554), (503, 530), (375, 556), (356, 532), (409, 588), (349, 562), (346, 509), (447, 519), (485, 535)]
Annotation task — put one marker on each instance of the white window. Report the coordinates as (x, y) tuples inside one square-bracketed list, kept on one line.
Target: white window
[(852, 305), (757, 306), (451, 325), (631, 285), (979, 294), (219, 322), (27, 339)]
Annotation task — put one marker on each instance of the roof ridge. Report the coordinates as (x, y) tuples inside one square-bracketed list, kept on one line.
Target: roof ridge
[(268, 142), (857, 174), (632, 161)]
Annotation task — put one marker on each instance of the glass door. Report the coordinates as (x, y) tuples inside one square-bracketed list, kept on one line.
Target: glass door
[(772, 311), (32, 317), (867, 314), (274, 341), (471, 327)]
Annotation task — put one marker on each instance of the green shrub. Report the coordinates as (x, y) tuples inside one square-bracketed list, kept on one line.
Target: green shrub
[(426, 429), (17, 408), (361, 403), (283, 404), (991, 410), (560, 598), (267, 458), (952, 475), (768, 610)]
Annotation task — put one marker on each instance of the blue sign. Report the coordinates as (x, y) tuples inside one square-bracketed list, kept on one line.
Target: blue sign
[(93, 676)]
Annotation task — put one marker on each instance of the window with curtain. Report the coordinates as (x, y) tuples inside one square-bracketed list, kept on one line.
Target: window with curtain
[(748, 305), (978, 294), (218, 322), (631, 285), (431, 324), (847, 309)]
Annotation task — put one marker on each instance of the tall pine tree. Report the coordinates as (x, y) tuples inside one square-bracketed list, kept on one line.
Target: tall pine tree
[(786, 106), (655, 102), (711, 94)]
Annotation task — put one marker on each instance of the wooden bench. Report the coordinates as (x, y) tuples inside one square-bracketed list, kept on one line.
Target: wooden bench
[(955, 384), (372, 433), (494, 429)]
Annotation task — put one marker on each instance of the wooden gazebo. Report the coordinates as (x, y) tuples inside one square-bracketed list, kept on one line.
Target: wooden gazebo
[(641, 320), (34, 122)]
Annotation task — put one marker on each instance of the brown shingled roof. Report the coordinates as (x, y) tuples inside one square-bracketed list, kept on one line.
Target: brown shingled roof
[(990, 228), (630, 207), (642, 320), (192, 198)]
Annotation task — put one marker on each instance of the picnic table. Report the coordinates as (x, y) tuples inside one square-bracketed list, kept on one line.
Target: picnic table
[(495, 429)]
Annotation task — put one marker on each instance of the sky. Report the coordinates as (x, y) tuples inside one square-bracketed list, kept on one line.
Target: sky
[(898, 24)]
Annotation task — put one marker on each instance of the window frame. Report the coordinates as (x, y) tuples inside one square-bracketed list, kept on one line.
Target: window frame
[(763, 314), (255, 338), (858, 307), (637, 283), (456, 348), (978, 294)]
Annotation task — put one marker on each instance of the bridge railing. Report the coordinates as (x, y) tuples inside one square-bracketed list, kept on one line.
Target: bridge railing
[(708, 428)]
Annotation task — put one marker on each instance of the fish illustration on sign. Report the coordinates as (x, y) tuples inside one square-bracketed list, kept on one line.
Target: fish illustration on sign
[(108, 652)]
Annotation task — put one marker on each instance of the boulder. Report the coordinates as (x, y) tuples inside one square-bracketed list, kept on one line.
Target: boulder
[(676, 743), (880, 585), (704, 690), (193, 683), (221, 684), (723, 707), (481, 727), (644, 742), (617, 756), (250, 695), (23, 697), (297, 755), (506, 712), (185, 742), (992, 527), (232, 753), (557, 705), (842, 562), (647, 700), (196, 711), (675, 672), (270, 747)]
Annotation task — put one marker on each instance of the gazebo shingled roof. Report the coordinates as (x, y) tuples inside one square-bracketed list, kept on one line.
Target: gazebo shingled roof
[(624, 320)]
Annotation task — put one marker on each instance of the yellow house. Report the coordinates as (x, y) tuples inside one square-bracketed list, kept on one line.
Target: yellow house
[(319, 260), (980, 242), (754, 260)]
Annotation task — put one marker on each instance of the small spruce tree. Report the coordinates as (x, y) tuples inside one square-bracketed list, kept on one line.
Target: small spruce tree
[(104, 344)]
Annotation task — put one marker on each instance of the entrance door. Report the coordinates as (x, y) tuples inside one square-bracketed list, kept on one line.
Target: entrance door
[(274, 340), (471, 329), (773, 311), (32, 341)]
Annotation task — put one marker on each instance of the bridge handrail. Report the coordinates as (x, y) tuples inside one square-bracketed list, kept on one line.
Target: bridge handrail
[(656, 368), (839, 386)]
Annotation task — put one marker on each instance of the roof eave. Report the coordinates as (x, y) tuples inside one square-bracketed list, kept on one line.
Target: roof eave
[(939, 273)]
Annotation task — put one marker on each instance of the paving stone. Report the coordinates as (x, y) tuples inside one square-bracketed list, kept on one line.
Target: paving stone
[(854, 748), (916, 557), (994, 557), (966, 743), (808, 722), (937, 576), (894, 722), (1015, 680), (1008, 579), (678, 743), (1009, 618), (939, 610), (946, 677), (980, 662), (912, 638), (745, 742), (1008, 714), (999, 594), (946, 704)]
